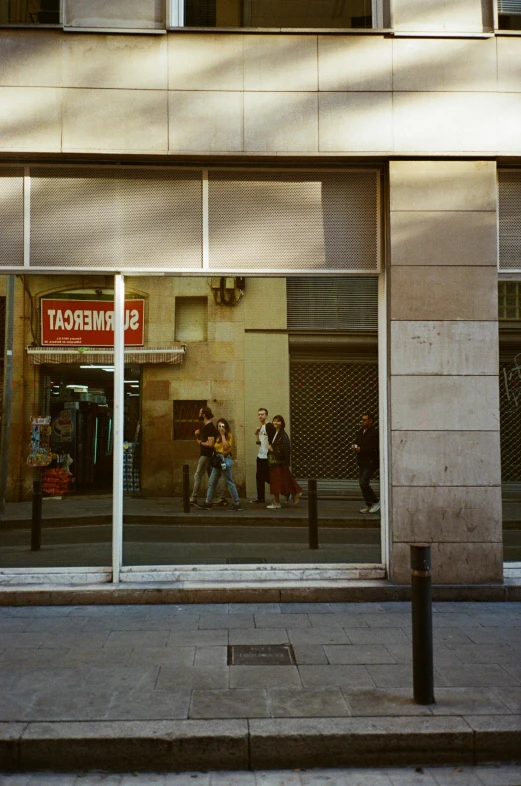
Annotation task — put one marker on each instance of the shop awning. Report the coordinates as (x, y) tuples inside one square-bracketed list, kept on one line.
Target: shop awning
[(39, 356)]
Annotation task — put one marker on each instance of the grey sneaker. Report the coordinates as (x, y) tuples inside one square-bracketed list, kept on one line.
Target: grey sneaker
[(374, 508), (366, 509), (235, 506), (204, 505)]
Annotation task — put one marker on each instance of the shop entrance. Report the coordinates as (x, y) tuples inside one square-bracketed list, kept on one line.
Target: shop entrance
[(80, 400)]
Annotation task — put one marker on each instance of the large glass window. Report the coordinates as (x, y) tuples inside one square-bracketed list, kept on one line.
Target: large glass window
[(509, 14), (325, 14), (57, 424), (30, 12), (251, 359)]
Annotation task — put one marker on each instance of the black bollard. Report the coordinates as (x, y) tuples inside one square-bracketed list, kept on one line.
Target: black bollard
[(36, 525), (421, 597), (312, 513), (186, 488)]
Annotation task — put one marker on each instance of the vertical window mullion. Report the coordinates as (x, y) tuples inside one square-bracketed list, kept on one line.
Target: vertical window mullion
[(119, 379)]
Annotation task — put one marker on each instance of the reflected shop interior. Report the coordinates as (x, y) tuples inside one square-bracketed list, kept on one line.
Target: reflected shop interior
[(304, 348)]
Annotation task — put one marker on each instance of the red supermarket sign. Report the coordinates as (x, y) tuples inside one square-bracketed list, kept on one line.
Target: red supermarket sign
[(89, 323)]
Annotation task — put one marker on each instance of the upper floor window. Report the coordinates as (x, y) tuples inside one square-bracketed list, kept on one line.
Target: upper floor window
[(509, 14), (30, 12), (146, 15), (325, 14)]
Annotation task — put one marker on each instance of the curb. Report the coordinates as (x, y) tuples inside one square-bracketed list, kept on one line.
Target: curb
[(377, 591), (268, 744)]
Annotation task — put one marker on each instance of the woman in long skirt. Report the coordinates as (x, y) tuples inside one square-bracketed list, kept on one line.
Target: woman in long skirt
[(279, 455)]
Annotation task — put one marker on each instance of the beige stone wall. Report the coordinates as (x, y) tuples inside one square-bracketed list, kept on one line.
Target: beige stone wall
[(266, 362), (232, 93), (444, 393)]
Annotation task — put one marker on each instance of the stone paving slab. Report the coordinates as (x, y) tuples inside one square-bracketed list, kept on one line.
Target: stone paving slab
[(148, 685)]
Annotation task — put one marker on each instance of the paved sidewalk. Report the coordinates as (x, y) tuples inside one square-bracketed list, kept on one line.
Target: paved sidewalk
[(489, 775), (151, 688)]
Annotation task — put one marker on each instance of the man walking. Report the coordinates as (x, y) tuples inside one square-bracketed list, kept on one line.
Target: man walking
[(264, 433), (206, 440), (366, 447)]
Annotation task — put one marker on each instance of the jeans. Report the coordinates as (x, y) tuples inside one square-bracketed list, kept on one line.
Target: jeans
[(366, 474), (227, 476), (203, 467)]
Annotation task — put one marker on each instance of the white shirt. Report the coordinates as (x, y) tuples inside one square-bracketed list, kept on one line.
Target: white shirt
[(264, 442)]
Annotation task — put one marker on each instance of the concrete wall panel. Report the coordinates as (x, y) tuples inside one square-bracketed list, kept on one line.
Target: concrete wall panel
[(205, 62), (355, 122), (115, 61), (280, 122), (30, 119), (445, 458), (443, 185), (205, 120), (444, 348), (443, 238), (443, 293), (509, 123), (132, 120), (429, 15), (444, 64), (280, 62), (453, 563), (508, 64), (29, 59), (453, 514), (445, 122), (445, 403), (355, 63)]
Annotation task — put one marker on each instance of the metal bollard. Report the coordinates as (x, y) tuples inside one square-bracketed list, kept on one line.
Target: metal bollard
[(421, 597), (186, 488), (312, 513), (36, 524)]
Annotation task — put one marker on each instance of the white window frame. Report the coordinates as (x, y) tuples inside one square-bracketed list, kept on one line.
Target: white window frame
[(176, 14)]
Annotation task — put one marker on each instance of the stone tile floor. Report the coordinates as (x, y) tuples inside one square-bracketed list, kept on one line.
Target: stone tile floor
[(504, 775), (161, 662)]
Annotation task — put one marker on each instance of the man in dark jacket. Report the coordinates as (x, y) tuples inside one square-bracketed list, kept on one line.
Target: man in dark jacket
[(366, 447)]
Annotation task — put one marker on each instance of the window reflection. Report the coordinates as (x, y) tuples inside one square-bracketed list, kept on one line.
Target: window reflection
[(278, 14)]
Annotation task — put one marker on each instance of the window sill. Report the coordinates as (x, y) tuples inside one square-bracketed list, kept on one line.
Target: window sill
[(285, 30)]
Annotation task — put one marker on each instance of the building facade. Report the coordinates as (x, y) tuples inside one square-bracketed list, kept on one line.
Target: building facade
[(207, 159)]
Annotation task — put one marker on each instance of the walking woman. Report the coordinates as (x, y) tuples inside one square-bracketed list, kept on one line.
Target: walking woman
[(279, 454), (223, 451)]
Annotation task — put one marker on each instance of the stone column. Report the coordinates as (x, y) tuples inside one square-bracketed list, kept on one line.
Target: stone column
[(445, 480)]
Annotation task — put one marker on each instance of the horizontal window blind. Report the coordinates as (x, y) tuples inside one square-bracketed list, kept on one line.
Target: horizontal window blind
[(510, 7)]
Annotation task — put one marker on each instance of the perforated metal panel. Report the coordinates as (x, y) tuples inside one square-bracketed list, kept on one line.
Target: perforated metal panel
[(115, 219), (327, 401), (332, 303), (293, 220), (11, 217), (510, 220)]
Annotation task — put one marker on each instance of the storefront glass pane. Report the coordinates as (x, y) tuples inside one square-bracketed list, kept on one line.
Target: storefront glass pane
[(60, 421), (509, 307), (229, 347)]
